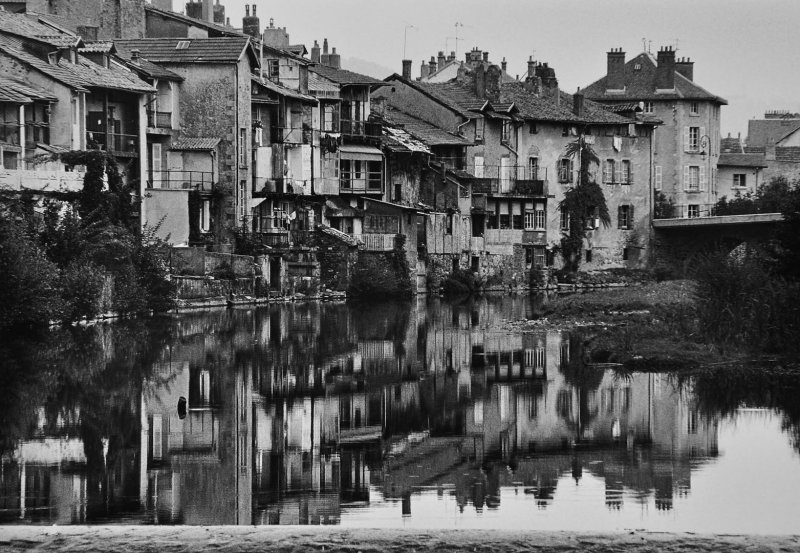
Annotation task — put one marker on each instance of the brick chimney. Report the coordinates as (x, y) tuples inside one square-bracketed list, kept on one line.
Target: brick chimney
[(577, 103), (480, 82), (432, 66), (165, 5), (194, 9), (315, 52), (424, 69), (335, 60), (685, 67), (407, 69), (665, 72), (325, 58), (492, 78), (615, 72), (504, 65), (251, 25), (532, 83), (549, 82), (486, 57), (440, 60), (208, 10)]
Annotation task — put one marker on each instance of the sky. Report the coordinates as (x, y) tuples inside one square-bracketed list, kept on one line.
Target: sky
[(744, 51)]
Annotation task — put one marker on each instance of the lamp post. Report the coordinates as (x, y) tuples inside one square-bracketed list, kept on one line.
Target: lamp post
[(705, 154)]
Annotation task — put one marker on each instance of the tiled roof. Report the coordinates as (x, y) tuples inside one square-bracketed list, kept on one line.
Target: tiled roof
[(731, 144), (285, 52), (211, 27), (297, 49), (146, 67), (741, 160), (12, 90), (284, 91), (98, 47), (14, 49), (623, 108), (766, 132), (787, 153), (322, 87), (196, 144), (455, 95), (426, 132), (343, 76), (29, 27), (397, 139), (640, 84), (198, 50)]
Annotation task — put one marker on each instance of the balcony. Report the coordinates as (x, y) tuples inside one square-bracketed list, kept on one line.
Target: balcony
[(283, 238), (290, 135), (366, 131), (118, 143), (159, 119), (183, 180), (9, 133), (515, 181)]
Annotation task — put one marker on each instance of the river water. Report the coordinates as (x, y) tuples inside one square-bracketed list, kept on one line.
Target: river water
[(419, 415)]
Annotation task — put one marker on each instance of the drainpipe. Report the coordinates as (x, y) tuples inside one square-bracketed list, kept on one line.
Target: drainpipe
[(22, 136)]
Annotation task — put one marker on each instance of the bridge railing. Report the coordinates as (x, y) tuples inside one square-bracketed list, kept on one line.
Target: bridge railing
[(684, 211)]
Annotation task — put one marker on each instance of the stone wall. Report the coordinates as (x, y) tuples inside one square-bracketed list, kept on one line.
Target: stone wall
[(198, 288), (199, 262)]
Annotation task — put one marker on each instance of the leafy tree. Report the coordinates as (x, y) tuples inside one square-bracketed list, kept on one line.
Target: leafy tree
[(584, 203)]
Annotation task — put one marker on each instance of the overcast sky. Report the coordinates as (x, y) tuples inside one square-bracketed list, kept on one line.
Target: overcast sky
[(748, 52)]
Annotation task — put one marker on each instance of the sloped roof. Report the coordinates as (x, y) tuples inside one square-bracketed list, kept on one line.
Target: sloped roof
[(284, 91), (18, 92), (194, 144), (741, 160), (731, 144), (297, 49), (14, 49), (397, 139), (343, 76), (146, 67), (208, 26), (766, 132), (98, 47), (25, 26), (113, 77), (198, 50), (426, 132), (787, 153), (640, 84), (323, 87)]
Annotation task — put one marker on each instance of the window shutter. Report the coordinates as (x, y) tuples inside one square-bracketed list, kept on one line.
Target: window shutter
[(620, 216), (658, 177), (630, 216), (700, 139), (686, 178), (702, 179), (686, 139), (618, 176)]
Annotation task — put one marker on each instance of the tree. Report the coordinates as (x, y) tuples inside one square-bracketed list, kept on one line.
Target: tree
[(584, 203)]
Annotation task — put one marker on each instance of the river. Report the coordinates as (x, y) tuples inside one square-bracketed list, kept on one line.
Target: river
[(421, 415)]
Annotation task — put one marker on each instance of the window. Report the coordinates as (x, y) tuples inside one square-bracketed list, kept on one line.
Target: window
[(534, 129), (637, 67), (528, 258), (649, 107), (692, 137), (533, 168), (564, 223), (625, 172), (479, 129), (625, 217), (242, 147), (205, 216), (539, 217), (657, 178), (374, 175), (694, 108), (564, 170), (449, 224), (539, 258), (609, 171), (739, 180), (693, 182), (506, 136), (345, 173), (588, 256), (182, 44), (694, 211), (273, 69), (328, 118), (242, 197)]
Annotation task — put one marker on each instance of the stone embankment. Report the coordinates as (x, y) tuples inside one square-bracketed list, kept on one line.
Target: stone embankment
[(165, 539)]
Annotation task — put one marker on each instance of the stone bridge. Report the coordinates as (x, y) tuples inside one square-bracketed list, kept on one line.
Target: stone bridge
[(677, 242)]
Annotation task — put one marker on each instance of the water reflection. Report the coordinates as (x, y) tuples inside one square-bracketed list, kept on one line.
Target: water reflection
[(340, 414)]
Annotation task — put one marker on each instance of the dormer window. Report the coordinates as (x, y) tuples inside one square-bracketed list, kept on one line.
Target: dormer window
[(183, 44), (637, 67)]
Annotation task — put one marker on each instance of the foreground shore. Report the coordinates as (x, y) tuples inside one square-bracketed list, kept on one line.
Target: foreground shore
[(165, 539)]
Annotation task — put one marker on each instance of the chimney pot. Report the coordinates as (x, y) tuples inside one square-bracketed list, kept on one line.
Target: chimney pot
[(247, 10), (615, 69), (577, 103), (665, 70), (254, 8), (324, 45)]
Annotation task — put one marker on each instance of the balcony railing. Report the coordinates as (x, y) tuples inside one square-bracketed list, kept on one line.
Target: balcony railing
[(115, 142), (280, 238), (352, 127), (688, 211), (368, 185), (182, 180), (514, 180), (159, 119), (376, 242)]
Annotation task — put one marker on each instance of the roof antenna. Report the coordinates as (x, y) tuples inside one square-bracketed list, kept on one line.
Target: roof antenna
[(644, 44)]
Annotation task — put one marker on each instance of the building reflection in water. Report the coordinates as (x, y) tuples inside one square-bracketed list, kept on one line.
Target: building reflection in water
[(297, 413)]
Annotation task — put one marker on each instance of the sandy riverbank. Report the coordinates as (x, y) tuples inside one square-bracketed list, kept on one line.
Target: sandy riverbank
[(165, 539)]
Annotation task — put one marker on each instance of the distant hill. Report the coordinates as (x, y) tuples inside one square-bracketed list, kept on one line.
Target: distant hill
[(369, 68)]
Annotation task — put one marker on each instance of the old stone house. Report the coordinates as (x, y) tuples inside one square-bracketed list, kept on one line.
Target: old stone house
[(777, 138), (686, 145)]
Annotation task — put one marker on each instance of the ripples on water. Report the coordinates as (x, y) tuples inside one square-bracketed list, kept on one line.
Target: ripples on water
[(408, 415)]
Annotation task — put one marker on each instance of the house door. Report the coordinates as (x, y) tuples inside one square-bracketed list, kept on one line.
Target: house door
[(155, 157), (505, 174), (274, 273)]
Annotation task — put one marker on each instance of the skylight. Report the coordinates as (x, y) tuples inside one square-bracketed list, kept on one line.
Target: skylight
[(182, 44)]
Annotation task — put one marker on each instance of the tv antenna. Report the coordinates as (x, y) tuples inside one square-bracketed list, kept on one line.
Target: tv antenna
[(405, 37)]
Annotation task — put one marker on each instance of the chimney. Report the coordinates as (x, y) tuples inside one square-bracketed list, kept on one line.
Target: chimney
[(504, 65), (549, 82), (194, 9), (533, 82), (208, 10), (315, 52), (424, 70), (432, 66), (665, 72), (531, 67), (615, 72), (165, 5), (492, 78), (441, 60), (407, 69), (486, 57), (335, 60), (451, 57), (325, 59), (251, 25), (324, 45), (480, 82), (577, 103), (219, 13), (135, 55), (685, 67)]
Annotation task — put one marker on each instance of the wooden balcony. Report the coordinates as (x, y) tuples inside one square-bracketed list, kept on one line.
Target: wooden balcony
[(376, 242)]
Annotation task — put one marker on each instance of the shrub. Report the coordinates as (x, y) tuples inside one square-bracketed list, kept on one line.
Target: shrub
[(81, 286), (460, 283), (380, 275)]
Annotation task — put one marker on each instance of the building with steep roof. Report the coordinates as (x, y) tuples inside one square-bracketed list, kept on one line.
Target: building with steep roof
[(739, 173), (777, 137), (686, 145), (517, 135)]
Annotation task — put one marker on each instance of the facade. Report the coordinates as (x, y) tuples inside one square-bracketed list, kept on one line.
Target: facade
[(60, 96), (777, 137), (686, 145), (740, 174), (517, 135)]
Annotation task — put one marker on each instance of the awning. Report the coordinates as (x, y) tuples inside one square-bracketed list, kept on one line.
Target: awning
[(256, 202), (360, 152)]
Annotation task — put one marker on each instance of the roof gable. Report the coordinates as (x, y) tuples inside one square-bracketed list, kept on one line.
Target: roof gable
[(191, 50)]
